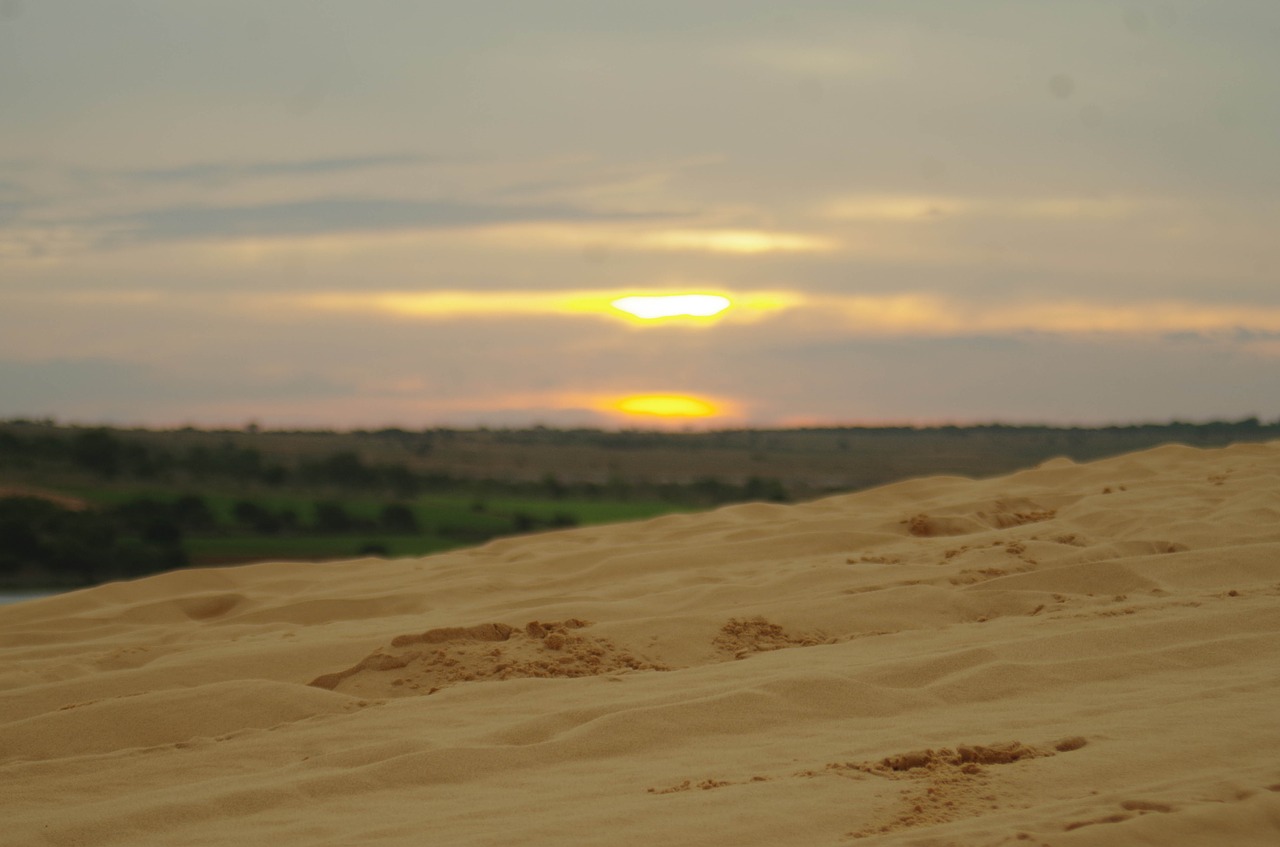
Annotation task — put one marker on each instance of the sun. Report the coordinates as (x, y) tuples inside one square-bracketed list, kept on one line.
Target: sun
[(665, 406), (651, 307)]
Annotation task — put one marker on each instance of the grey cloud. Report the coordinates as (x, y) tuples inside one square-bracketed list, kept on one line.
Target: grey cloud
[(332, 215), (15, 200), (119, 389), (913, 349), (1246, 335), (1239, 335), (206, 172), (30, 388), (1039, 379), (1186, 337)]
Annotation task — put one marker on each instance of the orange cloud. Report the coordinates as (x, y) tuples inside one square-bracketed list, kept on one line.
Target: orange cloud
[(722, 240), (932, 315), (907, 208), (740, 241)]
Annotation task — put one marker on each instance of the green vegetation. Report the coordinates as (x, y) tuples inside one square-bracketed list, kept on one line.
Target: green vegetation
[(126, 533), (81, 505), (44, 543)]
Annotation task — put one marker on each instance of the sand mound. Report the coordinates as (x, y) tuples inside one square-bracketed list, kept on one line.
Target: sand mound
[(1074, 654), (491, 651)]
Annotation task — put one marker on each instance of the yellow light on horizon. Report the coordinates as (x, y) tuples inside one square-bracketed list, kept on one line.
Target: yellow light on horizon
[(665, 406), (658, 306), (641, 308)]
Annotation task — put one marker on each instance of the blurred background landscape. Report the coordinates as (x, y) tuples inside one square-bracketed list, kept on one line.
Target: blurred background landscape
[(84, 505), (316, 280)]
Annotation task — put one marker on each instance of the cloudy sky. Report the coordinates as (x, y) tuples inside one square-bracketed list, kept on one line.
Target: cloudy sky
[(316, 213)]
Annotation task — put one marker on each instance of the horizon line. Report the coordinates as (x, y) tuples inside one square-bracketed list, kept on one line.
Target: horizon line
[(255, 428)]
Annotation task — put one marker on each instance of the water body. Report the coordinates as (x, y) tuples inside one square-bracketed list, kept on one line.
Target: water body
[(8, 597)]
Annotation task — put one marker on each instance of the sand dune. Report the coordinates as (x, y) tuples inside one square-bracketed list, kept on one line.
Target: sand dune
[(1075, 654)]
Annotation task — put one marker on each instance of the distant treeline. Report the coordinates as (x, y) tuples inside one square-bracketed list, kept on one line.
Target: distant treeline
[(690, 468), (107, 455), (111, 455), (806, 438), (50, 544)]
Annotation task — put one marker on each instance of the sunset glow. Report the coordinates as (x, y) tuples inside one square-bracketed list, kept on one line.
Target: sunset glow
[(921, 314), (629, 238), (665, 406), (909, 208), (740, 241), (639, 308)]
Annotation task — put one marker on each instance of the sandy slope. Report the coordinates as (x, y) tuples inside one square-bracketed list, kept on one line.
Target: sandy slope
[(1077, 654)]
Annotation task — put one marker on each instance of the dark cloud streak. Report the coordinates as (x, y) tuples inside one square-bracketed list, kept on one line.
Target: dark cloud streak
[(222, 172), (334, 215)]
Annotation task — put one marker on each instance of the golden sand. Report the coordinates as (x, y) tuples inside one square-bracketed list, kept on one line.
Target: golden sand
[(1075, 654)]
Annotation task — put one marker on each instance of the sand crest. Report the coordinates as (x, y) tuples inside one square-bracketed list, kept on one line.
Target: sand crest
[(1075, 654)]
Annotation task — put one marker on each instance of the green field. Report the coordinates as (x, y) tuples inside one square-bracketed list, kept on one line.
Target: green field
[(446, 522), (429, 509), (235, 548)]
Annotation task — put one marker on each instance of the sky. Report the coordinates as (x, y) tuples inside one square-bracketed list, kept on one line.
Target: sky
[(417, 214)]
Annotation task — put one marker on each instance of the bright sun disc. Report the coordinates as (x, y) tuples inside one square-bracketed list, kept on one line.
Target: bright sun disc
[(666, 406), (654, 307)]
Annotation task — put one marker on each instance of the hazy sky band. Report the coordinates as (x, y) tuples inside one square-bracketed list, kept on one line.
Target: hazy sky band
[(1055, 211)]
